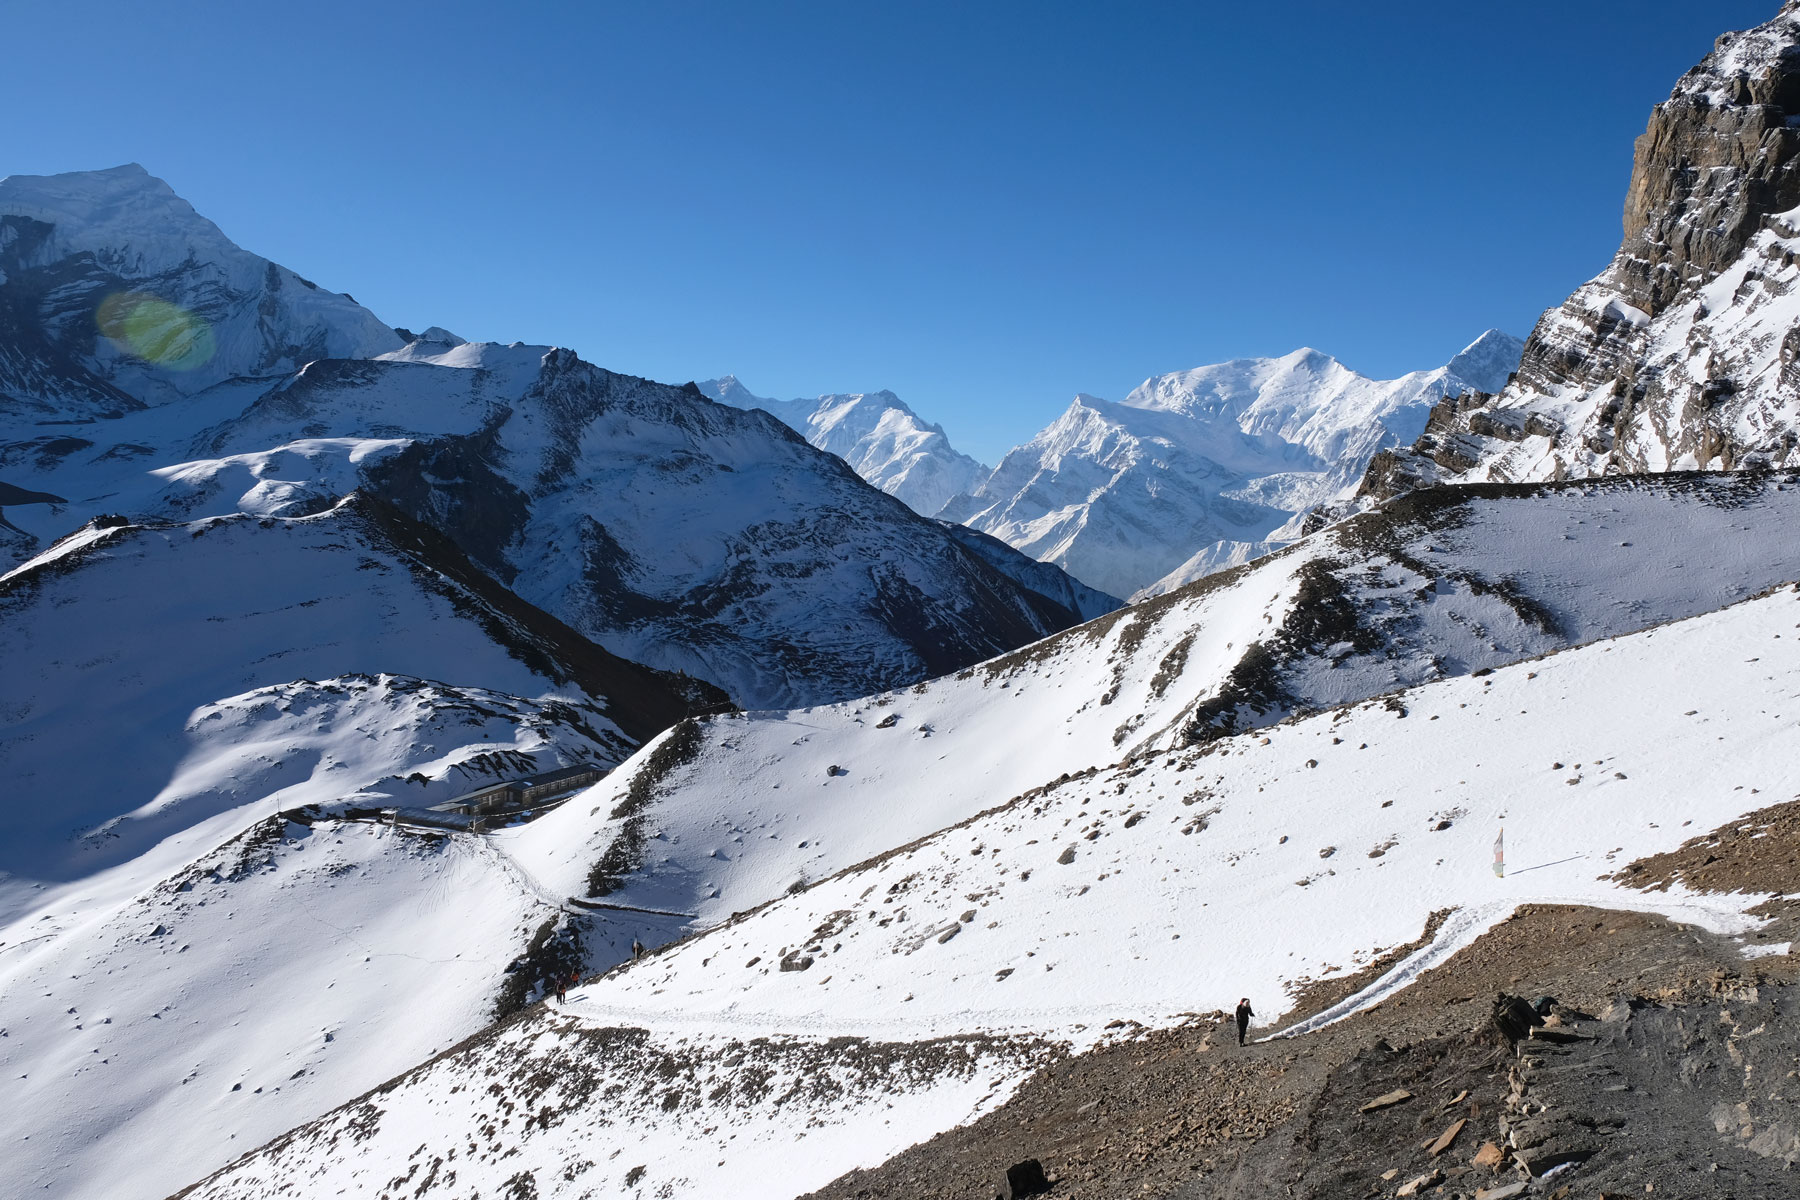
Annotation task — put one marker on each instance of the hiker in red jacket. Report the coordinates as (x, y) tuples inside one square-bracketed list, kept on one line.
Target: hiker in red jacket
[(1244, 1014)]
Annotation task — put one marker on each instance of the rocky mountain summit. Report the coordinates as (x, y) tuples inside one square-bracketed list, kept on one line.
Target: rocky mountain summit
[(882, 439), (1683, 353)]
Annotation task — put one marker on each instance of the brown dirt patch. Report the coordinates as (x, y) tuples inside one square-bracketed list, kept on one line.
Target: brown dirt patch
[(1150, 1116), (1759, 852)]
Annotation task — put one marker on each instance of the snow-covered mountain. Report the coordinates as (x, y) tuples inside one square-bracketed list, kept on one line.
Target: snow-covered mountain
[(115, 294), (870, 919), (272, 572), (1683, 353), (197, 942), (1203, 468), (844, 1000), (883, 441), (690, 535)]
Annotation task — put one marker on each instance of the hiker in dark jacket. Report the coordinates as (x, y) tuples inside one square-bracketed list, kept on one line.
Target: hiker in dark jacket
[(1244, 1014)]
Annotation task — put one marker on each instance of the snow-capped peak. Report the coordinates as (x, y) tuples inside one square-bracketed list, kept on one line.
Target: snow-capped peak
[(1200, 469), (118, 207), (882, 439), (130, 297), (1486, 363)]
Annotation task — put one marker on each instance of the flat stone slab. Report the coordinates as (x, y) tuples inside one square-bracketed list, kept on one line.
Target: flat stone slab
[(1398, 1096)]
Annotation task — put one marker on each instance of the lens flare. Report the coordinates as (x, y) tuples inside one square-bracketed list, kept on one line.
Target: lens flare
[(156, 331)]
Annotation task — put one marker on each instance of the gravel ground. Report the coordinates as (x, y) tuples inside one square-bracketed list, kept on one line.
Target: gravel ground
[(1186, 1113)]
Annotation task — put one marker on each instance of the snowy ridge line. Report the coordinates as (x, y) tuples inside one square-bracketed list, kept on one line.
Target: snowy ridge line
[(1465, 927), (85, 538)]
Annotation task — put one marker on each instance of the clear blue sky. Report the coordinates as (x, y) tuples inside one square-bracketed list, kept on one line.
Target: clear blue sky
[(985, 207)]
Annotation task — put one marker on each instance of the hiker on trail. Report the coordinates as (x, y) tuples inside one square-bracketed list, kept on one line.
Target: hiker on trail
[(1244, 1014), (560, 980), (637, 948)]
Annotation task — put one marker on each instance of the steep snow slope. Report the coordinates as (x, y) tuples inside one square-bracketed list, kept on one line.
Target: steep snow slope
[(1205, 467), (129, 637), (156, 1027), (762, 801), (883, 441), (1682, 353), (1139, 893), (115, 294), (164, 935)]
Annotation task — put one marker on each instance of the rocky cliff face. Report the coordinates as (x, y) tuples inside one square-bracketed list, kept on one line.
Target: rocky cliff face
[(1682, 354)]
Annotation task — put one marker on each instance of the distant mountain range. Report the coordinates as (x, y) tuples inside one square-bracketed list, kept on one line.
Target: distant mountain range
[(1193, 472)]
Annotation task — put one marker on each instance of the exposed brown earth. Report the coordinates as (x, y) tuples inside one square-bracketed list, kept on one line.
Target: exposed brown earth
[(1185, 1112)]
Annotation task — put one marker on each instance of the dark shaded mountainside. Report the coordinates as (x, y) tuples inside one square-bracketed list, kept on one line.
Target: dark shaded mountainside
[(135, 628), (1683, 352)]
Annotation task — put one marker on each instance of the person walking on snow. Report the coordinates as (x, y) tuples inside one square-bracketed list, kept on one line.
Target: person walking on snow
[(1244, 1013)]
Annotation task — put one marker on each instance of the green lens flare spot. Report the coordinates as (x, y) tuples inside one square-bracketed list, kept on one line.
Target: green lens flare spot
[(156, 331)]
